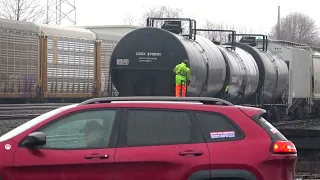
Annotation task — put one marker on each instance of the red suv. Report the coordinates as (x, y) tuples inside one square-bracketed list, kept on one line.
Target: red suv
[(144, 138)]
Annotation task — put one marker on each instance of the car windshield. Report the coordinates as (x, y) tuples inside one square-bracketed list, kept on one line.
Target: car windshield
[(33, 122)]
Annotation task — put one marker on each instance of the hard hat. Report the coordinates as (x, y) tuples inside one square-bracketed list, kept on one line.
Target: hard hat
[(186, 62)]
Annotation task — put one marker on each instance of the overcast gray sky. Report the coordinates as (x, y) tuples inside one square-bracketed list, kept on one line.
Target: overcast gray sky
[(255, 14)]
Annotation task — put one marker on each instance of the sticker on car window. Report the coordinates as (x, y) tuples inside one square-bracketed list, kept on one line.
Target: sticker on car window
[(224, 134), (273, 130)]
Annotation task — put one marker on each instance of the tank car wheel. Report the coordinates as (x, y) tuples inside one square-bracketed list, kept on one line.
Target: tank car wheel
[(299, 113), (317, 112), (280, 114), (296, 114), (275, 115)]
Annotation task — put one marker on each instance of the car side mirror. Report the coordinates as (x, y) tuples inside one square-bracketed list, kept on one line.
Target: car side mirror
[(35, 139)]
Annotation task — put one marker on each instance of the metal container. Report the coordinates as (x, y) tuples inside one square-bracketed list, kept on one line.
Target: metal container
[(268, 73), (106, 51), (109, 36), (283, 75), (70, 62), (111, 32), (214, 64), (142, 63), (19, 44), (302, 68), (242, 73), (316, 76), (252, 73)]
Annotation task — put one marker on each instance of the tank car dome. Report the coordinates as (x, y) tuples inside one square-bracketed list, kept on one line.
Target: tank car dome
[(143, 60)]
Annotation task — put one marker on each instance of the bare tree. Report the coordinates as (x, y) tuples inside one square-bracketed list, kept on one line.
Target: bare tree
[(160, 12), (128, 19), (221, 36), (22, 10), (297, 27)]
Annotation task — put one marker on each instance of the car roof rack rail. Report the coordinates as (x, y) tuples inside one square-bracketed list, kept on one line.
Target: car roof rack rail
[(204, 100)]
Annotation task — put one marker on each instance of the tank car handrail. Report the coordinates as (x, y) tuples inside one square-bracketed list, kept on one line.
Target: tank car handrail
[(289, 43), (295, 45), (167, 69), (204, 100), (192, 24), (264, 41), (233, 32), (314, 48)]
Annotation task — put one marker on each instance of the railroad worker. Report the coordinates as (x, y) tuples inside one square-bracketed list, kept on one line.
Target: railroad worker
[(182, 72), (226, 93), (93, 135)]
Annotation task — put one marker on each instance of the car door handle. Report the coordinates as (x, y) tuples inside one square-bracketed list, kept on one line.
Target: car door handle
[(99, 156), (191, 153)]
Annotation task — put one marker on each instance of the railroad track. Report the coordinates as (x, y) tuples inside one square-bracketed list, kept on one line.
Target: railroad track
[(7, 111), (306, 124), (34, 104), (293, 122), (26, 111), (14, 107), (18, 116), (307, 176)]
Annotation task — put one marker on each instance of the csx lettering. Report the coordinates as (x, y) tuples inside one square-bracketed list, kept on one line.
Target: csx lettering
[(140, 53)]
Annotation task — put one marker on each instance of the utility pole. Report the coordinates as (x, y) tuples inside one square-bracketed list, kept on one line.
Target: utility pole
[(58, 10), (278, 25), (18, 10)]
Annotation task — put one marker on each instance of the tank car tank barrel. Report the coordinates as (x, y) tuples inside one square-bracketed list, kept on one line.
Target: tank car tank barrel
[(242, 74), (273, 74), (148, 48)]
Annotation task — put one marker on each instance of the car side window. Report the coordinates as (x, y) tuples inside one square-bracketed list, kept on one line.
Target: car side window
[(160, 127), (82, 130), (216, 127)]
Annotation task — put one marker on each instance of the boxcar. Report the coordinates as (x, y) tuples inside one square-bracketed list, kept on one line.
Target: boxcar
[(19, 59), (41, 62)]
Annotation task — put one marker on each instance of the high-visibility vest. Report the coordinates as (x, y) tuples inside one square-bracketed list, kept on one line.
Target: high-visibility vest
[(182, 73), (227, 89)]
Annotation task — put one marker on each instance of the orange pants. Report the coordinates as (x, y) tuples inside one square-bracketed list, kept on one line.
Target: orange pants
[(181, 90)]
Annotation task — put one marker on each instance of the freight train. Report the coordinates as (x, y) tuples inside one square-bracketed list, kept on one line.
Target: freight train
[(40, 62), (46, 62), (282, 77)]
